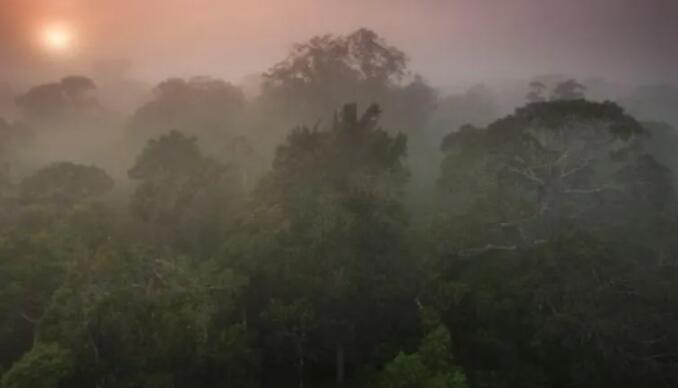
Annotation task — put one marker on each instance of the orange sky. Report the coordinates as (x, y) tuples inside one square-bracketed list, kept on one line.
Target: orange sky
[(448, 40)]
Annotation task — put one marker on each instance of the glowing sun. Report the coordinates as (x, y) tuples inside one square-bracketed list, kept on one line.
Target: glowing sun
[(58, 38)]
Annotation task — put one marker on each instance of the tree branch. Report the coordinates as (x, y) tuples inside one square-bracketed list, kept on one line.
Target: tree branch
[(528, 175), (489, 247), (28, 318), (575, 170)]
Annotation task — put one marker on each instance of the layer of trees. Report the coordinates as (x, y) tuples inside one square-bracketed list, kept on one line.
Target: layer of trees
[(543, 256)]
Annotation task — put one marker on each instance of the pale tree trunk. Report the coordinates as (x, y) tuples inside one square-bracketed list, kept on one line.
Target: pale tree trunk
[(301, 371), (244, 319), (340, 365)]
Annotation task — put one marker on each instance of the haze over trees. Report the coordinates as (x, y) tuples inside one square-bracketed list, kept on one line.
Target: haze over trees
[(349, 226), (65, 102)]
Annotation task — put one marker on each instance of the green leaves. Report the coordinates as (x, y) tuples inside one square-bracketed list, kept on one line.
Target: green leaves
[(202, 106), (323, 241), (183, 197), (47, 365), (129, 315), (431, 366), (547, 167), (65, 183)]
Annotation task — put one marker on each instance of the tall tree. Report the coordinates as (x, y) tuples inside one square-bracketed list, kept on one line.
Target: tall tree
[(546, 167), (65, 183), (326, 233), (62, 103), (568, 90), (201, 106), (183, 197), (536, 93), (323, 73)]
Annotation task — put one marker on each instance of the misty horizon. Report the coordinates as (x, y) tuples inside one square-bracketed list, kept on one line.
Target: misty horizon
[(338, 194), (448, 42)]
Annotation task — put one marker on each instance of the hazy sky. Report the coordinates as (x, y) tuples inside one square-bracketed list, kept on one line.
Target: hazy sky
[(448, 40)]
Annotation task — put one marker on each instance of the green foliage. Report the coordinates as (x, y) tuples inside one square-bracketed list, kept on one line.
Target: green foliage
[(405, 371), (45, 366), (361, 67), (547, 167), (432, 366), (325, 237), (130, 317), (544, 316), (568, 90), (57, 103), (13, 138), (65, 183), (327, 71), (551, 261), (37, 247), (201, 106), (183, 197), (326, 60), (561, 90)]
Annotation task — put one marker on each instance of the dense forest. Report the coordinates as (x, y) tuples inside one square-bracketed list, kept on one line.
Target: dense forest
[(344, 225)]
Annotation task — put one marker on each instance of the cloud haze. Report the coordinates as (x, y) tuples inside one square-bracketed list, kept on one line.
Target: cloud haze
[(448, 41)]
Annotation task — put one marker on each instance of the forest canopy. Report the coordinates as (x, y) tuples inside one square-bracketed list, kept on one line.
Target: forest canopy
[(349, 225)]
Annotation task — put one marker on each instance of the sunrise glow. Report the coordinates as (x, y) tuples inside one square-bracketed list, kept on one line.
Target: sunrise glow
[(58, 38)]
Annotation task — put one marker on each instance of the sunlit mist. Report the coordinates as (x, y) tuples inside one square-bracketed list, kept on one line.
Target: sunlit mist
[(58, 37)]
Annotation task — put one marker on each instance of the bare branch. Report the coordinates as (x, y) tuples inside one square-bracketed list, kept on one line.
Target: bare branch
[(575, 170), (28, 318), (529, 175), (590, 191), (485, 249), (563, 157)]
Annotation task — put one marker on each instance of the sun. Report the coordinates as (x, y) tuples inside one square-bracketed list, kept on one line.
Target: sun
[(58, 37)]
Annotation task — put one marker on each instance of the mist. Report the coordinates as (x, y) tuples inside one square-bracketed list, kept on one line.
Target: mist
[(454, 41), (320, 193)]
